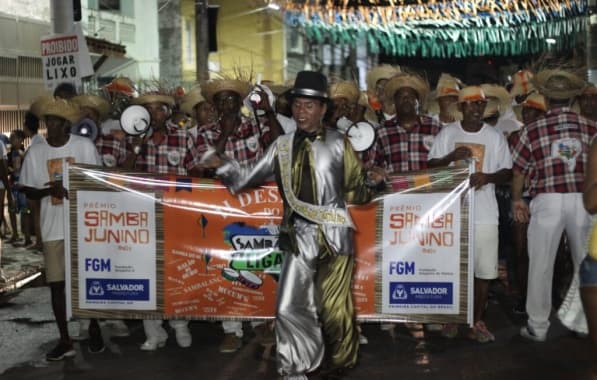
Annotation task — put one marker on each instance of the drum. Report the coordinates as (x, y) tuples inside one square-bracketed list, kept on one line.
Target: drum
[(249, 279)]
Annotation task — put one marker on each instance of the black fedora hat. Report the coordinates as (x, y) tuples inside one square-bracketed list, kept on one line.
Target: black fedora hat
[(310, 84)]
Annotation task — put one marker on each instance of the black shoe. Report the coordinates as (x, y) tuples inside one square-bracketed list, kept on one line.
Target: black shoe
[(61, 351), (96, 342)]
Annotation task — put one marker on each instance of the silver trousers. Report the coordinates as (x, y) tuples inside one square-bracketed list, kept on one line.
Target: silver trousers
[(314, 310)]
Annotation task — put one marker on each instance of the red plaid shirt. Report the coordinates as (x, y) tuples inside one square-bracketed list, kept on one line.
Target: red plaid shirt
[(399, 150), (176, 152), (111, 150), (554, 151), (245, 145)]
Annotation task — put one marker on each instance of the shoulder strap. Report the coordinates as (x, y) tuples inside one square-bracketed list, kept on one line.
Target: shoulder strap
[(314, 213)]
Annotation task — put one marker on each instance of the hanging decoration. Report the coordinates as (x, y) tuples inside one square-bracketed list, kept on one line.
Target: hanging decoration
[(443, 29)]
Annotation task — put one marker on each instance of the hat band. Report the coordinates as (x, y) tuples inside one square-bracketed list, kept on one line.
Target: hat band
[(448, 91), (471, 98), (308, 92), (533, 104)]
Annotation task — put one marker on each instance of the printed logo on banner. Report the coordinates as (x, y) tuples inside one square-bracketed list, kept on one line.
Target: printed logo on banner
[(256, 250), (97, 265), (400, 293), (402, 267), (95, 289), (117, 289), (421, 293)]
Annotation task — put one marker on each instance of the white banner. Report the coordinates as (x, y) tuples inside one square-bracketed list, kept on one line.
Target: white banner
[(117, 250), (421, 254), (60, 58)]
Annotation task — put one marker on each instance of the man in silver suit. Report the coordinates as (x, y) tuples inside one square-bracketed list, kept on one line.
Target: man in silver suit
[(317, 172)]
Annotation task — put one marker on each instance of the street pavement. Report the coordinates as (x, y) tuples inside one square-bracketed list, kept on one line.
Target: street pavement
[(27, 331)]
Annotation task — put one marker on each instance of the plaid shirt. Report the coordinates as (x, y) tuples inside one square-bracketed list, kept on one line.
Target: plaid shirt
[(111, 150), (554, 151), (245, 145), (175, 153), (399, 150)]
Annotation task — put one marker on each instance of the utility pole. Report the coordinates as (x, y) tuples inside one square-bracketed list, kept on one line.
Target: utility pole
[(201, 40), (61, 12)]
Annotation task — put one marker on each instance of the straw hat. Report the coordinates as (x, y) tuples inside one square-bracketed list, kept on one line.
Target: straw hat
[(36, 105), (59, 107), (521, 83), (467, 94), (380, 72), (190, 100), (345, 89), (471, 94), (447, 85), (151, 97), (407, 80), (498, 98), (535, 100), (558, 84), (122, 85), (492, 109), (97, 103), (363, 99), (212, 87)]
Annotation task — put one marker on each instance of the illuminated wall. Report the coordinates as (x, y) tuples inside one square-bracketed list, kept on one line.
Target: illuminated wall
[(250, 37)]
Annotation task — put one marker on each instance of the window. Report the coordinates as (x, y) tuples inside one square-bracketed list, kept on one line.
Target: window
[(127, 32), (8, 67), (30, 67), (109, 5), (107, 30)]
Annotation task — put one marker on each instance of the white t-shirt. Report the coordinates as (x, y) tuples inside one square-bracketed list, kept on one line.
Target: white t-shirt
[(37, 139), (507, 123), (491, 154), (42, 164)]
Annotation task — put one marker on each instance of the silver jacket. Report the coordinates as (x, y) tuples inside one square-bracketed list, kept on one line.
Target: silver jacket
[(338, 175)]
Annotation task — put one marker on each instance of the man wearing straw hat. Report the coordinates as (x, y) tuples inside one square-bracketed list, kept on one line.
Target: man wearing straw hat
[(94, 110), (498, 112), (316, 169), (533, 108), (521, 85), (41, 177), (233, 134), (245, 140), (195, 105), (111, 141), (402, 143), (111, 144), (487, 147), (345, 96), (446, 95), (554, 149), (168, 149), (382, 108)]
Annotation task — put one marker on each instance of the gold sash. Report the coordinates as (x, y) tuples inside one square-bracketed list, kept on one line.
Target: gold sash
[(315, 213)]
